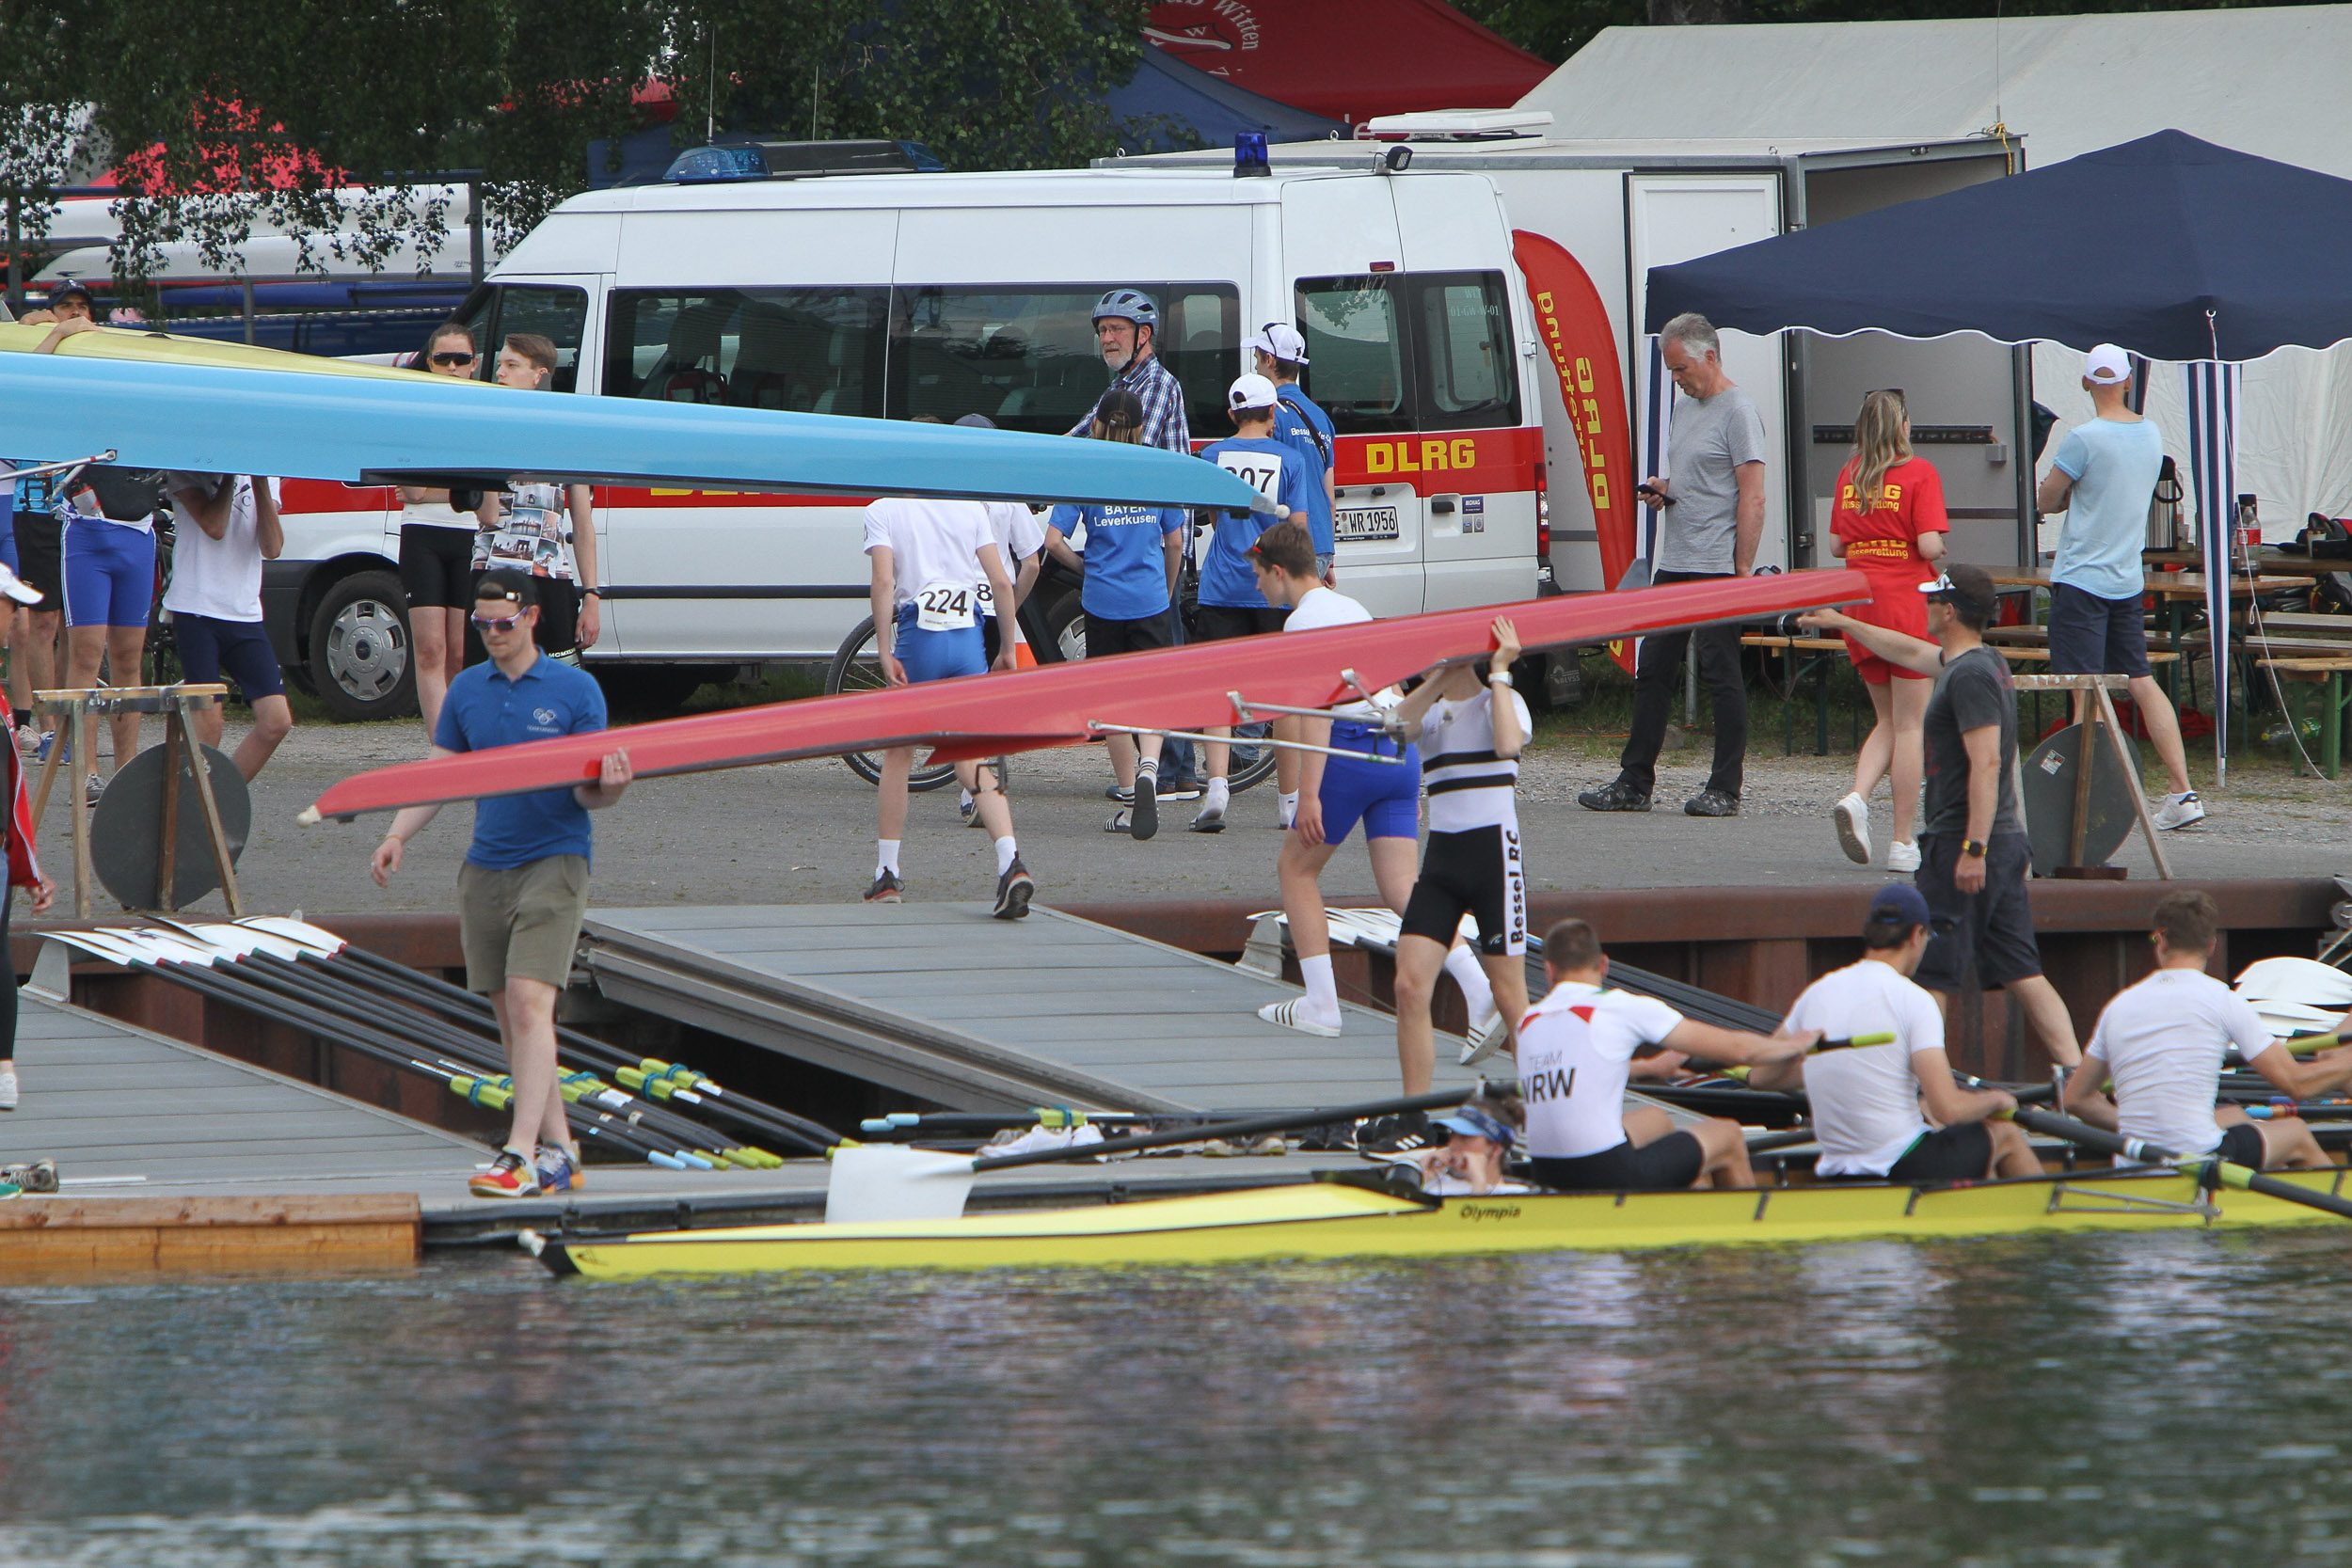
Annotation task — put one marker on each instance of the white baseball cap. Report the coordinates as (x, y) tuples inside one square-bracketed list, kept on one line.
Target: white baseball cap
[(2109, 366), (1281, 339), (16, 588), (1252, 391)]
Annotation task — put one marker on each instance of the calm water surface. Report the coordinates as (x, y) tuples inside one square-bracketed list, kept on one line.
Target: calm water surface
[(2150, 1400)]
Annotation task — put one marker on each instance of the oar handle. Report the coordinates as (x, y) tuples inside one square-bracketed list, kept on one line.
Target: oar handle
[(2309, 1045), (1250, 1129), (1886, 1038), (2224, 1172)]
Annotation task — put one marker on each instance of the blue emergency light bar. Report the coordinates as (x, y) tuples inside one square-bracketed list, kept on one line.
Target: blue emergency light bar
[(1249, 156)]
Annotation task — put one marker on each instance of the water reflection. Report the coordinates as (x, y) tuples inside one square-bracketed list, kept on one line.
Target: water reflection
[(1998, 1402)]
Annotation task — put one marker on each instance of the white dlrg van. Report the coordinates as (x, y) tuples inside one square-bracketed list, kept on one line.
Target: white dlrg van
[(936, 296)]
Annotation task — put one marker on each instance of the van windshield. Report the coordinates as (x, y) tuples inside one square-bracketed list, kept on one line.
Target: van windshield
[(815, 351), (1410, 351)]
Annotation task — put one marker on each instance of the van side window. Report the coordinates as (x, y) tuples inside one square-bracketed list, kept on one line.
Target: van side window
[(814, 351), (1025, 357), (1357, 364), (557, 315), (1410, 351)]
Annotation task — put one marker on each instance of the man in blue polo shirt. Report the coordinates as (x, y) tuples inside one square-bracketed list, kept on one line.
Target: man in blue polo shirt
[(1282, 355), (524, 886)]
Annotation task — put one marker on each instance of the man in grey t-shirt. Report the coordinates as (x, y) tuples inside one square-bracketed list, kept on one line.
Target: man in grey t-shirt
[(1710, 516)]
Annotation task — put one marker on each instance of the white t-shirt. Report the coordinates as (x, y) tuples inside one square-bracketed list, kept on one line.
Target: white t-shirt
[(1866, 1099), (1468, 785), (436, 514), (1019, 536), (2162, 1041), (218, 578), (930, 541), (1328, 607), (1575, 1046)]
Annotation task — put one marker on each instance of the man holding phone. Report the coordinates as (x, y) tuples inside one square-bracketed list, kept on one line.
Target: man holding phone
[(1710, 518)]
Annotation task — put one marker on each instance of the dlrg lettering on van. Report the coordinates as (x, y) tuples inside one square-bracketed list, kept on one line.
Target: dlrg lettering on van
[(923, 295)]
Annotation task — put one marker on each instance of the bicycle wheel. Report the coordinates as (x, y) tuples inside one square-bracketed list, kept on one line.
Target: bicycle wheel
[(1253, 762), (857, 667)]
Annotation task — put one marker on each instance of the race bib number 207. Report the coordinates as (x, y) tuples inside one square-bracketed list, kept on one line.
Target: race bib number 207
[(944, 606), (1261, 470)]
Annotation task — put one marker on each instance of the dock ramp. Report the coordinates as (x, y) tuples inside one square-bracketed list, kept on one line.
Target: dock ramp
[(940, 1002)]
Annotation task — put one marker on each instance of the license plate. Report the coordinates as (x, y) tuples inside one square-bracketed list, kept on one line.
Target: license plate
[(1369, 522)]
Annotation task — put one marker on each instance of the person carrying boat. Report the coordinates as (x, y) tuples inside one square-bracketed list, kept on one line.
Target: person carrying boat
[(2161, 1043), (928, 560), (1574, 1048), (1867, 1098), (1470, 727)]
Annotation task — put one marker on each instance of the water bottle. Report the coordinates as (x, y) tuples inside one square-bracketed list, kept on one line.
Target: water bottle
[(2250, 529)]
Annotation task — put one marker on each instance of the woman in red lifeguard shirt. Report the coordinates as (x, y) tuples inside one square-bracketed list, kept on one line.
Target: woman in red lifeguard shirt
[(1888, 523)]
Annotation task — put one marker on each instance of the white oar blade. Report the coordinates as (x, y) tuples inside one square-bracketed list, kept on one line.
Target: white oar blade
[(886, 1182)]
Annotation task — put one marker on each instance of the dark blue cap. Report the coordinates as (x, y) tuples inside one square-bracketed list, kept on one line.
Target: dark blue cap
[(1899, 903)]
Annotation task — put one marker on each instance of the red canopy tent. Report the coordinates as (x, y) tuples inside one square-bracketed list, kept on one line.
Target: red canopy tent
[(1348, 60)]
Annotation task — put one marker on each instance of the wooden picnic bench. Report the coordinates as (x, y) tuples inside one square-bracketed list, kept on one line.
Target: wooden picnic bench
[(2298, 677)]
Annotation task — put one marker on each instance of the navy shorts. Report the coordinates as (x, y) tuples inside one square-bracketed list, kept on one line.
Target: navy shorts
[(1995, 927), (1215, 623), (1384, 795), (109, 574), (936, 655), (209, 648), (2092, 636)]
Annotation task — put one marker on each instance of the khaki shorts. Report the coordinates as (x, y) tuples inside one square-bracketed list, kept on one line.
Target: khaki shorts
[(521, 923)]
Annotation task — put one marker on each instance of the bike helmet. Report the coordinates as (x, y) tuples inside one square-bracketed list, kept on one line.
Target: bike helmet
[(1130, 305)]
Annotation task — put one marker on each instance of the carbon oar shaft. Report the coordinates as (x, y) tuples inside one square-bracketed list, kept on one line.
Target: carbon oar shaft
[(2140, 1149), (1288, 1122)]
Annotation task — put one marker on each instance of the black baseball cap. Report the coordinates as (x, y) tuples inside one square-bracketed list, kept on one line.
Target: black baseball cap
[(1965, 585), (67, 291)]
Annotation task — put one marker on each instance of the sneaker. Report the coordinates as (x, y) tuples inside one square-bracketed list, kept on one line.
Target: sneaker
[(1852, 817), (510, 1176), (1180, 789), (1398, 1134), (49, 740), (93, 789), (40, 1175), (8, 1091), (1902, 856), (1120, 794), (1292, 1015), (1146, 821), (9, 1190), (1711, 802), (1014, 890), (559, 1171), (1488, 1036), (887, 888), (1618, 796), (2179, 810), (28, 739), (1209, 820), (968, 810)]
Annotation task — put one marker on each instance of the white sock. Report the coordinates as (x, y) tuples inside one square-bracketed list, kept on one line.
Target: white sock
[(1006, 852), (1289, 805), (886, 859), (1217, 795), (1470, 975), (964, 798), (1147, 765), (1322, 987)]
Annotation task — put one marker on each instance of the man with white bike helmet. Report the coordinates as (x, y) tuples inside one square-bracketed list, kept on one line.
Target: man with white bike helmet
[(1127, 331)]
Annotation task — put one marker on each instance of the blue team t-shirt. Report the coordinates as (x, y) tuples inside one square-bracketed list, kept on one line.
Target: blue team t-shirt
[(1291, 418), (2114, 463), (484, 709), (1272, 469), (1126, 556)]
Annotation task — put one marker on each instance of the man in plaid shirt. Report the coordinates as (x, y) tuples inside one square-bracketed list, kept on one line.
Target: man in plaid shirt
[(1127, 329)]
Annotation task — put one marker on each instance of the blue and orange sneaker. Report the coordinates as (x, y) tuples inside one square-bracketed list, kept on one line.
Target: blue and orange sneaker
[(559, 1170), (511, 1176)]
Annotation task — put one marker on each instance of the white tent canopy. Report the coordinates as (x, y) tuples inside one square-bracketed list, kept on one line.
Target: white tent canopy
[(2274, 81)]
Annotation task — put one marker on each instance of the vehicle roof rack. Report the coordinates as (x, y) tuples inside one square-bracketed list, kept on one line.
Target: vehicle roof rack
[(754, 158), (1460, 125)]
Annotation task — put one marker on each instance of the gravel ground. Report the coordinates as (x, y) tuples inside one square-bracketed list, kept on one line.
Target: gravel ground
[(803, 833)]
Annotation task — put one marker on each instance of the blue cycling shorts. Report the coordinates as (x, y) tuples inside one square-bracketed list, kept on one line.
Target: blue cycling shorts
[(109, 574), (935, 655), (1384, 797)]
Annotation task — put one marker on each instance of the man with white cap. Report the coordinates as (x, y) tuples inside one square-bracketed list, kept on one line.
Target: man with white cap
[(2102, 477), (1282, 352)]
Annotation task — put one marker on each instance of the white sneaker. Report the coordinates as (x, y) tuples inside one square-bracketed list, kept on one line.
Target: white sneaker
[(1901, 856), (2179, 810), (1852, 816), (1486, 1036), (1292, 1015), (8, 1091)]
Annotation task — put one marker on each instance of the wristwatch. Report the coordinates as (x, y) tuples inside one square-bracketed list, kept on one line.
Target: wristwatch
[(1972, 849), (1501, 678)]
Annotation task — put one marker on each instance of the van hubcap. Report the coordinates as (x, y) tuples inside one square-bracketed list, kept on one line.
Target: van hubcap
[(367, 649)]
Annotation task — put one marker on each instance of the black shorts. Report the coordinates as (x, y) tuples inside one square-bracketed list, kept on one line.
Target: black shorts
[(1480, 872), (436, 566), (559, 618), (240, 649), (1962, 1153), (1674, 1161), (2092, 636), (41, 557), (1994, 927), (1213, 623), (1107, 637), (2242, 1145)]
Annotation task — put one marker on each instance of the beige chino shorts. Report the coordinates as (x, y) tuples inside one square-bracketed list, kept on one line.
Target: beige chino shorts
[(521, 923)]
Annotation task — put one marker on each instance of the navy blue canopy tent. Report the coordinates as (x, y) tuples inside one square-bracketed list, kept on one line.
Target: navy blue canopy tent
[(2168, 246)]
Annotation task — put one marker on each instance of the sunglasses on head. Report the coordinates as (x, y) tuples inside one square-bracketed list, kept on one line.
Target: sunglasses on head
[(501, 624), (456, 358)]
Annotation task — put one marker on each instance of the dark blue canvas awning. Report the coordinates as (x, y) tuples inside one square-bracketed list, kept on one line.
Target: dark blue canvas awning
[(2169, 246)]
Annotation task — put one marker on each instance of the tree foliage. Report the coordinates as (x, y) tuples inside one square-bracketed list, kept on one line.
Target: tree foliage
[(337, 122)]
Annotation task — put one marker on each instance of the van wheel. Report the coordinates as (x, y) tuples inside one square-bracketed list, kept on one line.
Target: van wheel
[(360, 658), (1066, 629)]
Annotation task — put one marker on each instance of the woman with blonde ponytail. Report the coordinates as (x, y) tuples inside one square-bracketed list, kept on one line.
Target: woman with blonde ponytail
[(1889, 523)]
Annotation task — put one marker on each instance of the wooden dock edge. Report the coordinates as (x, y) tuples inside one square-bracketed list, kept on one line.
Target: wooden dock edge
[(60, 1238)]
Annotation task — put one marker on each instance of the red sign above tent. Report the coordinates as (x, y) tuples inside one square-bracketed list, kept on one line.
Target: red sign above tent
[(1348, 60)]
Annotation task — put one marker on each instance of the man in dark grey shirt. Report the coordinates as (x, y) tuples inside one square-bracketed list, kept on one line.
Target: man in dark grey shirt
[(1974, 858), (1710, 518)]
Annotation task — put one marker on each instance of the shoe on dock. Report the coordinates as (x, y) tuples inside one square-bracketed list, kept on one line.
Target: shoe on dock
[(509, 1176)]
